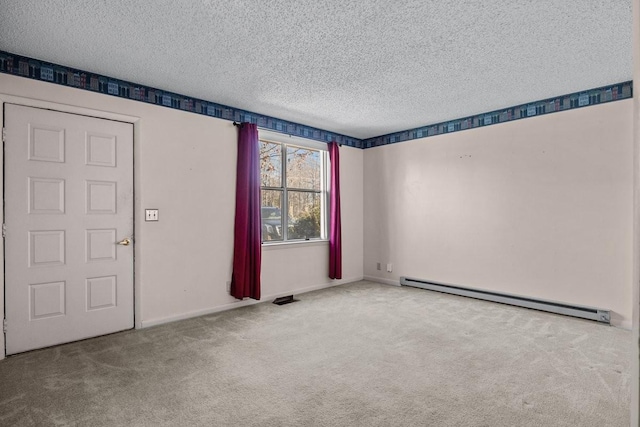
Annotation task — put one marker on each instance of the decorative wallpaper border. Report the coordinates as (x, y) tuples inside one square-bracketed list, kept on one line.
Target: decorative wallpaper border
[(570, 101), (66, 76)]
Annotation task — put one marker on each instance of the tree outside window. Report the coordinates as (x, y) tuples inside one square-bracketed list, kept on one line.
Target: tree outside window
[(292, 182)]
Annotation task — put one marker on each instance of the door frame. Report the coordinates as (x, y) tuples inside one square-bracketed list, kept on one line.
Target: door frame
[(65, 108)]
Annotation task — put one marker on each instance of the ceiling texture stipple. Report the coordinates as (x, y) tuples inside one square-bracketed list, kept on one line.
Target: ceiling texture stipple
[(360, 68)]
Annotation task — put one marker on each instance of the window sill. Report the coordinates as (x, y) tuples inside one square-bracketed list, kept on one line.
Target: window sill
[(294, 244)]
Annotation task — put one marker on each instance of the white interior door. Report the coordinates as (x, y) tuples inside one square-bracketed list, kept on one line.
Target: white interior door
[(68, 202)]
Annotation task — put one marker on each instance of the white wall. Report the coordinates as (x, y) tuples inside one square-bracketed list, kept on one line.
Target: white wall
[(635, 300), (185, 167), (540, 207)]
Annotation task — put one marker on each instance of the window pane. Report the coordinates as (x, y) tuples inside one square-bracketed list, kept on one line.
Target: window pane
[(270, 164), (271, 215), (304, 215), (303, 168)]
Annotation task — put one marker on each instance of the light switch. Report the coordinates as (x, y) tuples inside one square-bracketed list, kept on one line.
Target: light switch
[(151, 214)]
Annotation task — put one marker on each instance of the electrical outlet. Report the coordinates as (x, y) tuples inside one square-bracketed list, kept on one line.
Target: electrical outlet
[(151, 214), (389, 268), (229, 286), (378, 267)]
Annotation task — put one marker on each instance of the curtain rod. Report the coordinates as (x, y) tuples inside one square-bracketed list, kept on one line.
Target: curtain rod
[(237, 124)]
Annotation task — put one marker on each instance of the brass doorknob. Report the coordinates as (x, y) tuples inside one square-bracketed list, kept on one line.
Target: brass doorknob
[(125, 242)]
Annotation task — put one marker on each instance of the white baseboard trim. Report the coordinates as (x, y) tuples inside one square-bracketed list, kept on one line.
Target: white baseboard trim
[(383, 281), (243, 303), (625, 324)]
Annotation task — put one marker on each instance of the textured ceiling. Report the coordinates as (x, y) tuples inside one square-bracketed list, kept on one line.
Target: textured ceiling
[(362, 68)]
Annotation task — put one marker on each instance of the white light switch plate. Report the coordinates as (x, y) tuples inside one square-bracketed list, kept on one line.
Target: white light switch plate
[(151, 214)]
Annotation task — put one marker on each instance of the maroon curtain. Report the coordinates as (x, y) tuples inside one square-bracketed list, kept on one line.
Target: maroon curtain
[(247, 250), (335, 235)]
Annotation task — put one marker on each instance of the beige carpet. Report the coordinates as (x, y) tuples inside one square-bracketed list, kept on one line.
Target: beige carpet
[(362, 354)]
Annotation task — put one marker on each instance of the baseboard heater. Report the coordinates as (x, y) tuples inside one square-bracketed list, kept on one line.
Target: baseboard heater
[(591, 313)]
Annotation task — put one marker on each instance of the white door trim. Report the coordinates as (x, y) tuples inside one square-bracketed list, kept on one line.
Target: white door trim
[(29, 102)]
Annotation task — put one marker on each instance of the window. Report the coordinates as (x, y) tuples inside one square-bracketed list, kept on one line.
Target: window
[(293, 184)]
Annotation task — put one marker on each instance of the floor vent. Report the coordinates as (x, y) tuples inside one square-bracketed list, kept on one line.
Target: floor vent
[(592, 313), (284, 300)]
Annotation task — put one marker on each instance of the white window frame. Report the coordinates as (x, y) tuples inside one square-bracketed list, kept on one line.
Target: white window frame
[(289, 140)]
